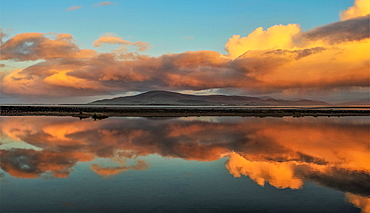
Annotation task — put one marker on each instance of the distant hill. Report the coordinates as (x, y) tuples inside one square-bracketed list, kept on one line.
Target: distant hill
[(178, 99), (365, 101)]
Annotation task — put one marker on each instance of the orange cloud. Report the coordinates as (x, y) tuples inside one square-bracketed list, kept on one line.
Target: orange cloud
[(64, 36), (34, 46), (27, 82), (17, 83), (275, 37), (360, 8), (60, 133), (109, 40), (25, 163), (17, 128), (328, 141), (345, 61), (61, 78), (361, 202), (142, 46), (280, 175), (107, 171), (73, 8)]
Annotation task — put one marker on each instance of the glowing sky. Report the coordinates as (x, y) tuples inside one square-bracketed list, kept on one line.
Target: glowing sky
[(80, 51)]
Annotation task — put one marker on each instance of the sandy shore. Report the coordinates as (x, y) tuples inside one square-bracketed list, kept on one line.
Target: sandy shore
[(86, 111)]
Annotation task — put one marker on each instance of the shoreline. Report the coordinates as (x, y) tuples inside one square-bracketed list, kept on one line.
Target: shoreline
[(86, 111)]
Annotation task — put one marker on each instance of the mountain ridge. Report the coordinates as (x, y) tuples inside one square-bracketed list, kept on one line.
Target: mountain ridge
[(159, 97), (365, 101)]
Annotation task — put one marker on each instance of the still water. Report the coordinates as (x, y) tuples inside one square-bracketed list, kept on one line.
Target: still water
[(190, 164)]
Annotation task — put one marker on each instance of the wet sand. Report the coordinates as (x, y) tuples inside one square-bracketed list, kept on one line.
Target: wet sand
[(103, 112)]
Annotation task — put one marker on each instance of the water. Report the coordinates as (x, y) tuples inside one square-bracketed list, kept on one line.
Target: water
[(190, 164)]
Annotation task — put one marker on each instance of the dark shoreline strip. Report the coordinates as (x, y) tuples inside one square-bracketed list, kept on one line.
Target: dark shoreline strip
[(173, 112)]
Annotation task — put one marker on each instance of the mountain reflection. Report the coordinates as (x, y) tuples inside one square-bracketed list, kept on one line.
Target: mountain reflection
[(284, 152)]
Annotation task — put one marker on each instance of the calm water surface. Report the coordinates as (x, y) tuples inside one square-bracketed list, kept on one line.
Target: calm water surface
[(190, 164)]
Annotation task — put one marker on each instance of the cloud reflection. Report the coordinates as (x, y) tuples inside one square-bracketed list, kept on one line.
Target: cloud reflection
[(107, 171), (361, 202), (284, 152)]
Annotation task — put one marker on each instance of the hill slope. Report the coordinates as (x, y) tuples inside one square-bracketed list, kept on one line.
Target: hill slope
[(173, 98), (358, 102)]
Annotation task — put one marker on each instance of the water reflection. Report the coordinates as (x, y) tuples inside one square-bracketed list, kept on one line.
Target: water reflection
[(283, 152)]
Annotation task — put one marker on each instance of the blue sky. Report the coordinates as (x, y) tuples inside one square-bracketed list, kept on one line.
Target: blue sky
[(169, 26)]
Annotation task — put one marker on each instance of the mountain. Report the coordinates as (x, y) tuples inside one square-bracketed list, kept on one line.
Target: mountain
[(365, 101), (173, 98)]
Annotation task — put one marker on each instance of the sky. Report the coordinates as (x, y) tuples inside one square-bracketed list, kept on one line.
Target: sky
[(80, 51)]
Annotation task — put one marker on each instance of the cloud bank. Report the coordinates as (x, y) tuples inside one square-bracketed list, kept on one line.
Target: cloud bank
[(281, 59), (332, 146)]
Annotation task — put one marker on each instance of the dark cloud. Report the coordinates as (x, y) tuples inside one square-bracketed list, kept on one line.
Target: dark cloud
[(24, 163), (356, 182), (342, 31), (295, 54)]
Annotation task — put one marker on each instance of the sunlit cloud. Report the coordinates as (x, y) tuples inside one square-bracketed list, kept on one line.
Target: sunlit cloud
[(109, 40), (142, 46), (275, 37), (108, 171), (61, 133), (73, 8), (34, 46), (280, 175), (361, 202), (26, 163), (360, 8), (61, 78)]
